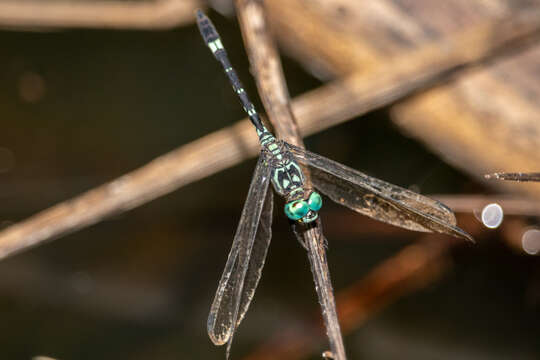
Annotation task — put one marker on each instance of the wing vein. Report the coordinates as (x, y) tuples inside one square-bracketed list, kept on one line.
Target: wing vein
[(231, 296), (376, 198)]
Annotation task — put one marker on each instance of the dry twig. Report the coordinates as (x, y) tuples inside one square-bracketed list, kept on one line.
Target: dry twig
[(514, 176), (268, 72), (159, 14), (273, 91)]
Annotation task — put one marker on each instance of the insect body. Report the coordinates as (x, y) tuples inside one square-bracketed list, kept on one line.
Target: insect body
[(289, 181), (286, 175)]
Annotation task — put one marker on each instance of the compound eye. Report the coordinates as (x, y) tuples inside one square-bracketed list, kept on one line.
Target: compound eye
[(295, 210), (315, 201)]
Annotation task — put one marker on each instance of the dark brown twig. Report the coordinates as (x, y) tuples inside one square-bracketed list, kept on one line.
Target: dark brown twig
[(514, 176)]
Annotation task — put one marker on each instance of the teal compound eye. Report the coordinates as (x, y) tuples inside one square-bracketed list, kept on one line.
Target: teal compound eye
[(295, 210), (315, 201)]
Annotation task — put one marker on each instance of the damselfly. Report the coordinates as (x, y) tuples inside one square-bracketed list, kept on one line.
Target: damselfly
[(279, 165)]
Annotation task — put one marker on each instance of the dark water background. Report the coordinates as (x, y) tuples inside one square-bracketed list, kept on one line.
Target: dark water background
[(80, 108)]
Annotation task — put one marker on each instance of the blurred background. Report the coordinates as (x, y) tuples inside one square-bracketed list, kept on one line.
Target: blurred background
[(91, 90)]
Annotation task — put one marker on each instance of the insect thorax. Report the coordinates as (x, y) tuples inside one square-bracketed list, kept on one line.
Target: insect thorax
[(286, 175)]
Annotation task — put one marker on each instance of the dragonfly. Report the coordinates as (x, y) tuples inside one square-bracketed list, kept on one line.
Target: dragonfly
[(514, 176), (280, 164)]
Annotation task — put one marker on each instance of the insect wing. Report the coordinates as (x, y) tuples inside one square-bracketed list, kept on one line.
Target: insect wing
[(242, 270), (258, 254), (376, 198)]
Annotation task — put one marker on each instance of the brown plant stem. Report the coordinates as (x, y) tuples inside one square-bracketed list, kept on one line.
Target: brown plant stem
[(273, 90), (33, 14)]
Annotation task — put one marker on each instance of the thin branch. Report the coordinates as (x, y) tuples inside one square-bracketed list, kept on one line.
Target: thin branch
[(159, 14), (315, 243), (316, 110), (514, 176), (268, 72)]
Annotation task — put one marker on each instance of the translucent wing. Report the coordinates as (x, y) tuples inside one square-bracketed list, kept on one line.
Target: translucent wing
[(246, 259), (376, 198), (258, 254)]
